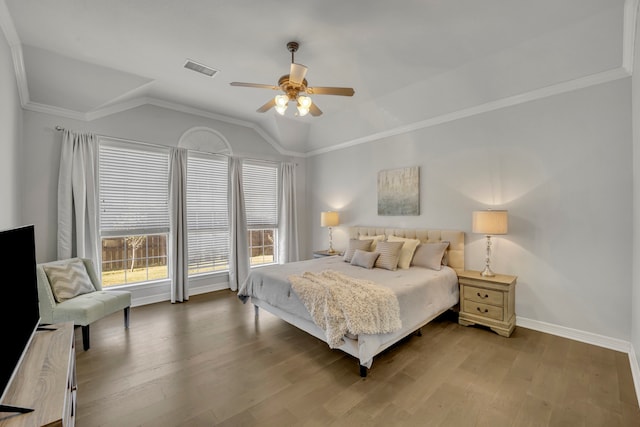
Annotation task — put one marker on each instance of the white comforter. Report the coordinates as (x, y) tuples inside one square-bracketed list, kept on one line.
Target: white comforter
[(422, 295)]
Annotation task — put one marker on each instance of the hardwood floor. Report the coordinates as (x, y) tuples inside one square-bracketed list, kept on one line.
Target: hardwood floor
[(210, 362)]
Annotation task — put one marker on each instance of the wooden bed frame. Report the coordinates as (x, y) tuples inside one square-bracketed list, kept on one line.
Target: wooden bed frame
[(455, 256)]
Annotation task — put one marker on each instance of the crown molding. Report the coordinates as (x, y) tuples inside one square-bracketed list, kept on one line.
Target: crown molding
[(55, 111), (10, 33), (625, 70), (571, 85)]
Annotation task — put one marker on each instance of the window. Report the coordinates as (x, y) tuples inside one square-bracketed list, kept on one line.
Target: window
[(260, 185), (134, 215), (207, 214)]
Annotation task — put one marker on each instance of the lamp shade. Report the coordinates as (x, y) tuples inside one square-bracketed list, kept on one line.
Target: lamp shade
[(329, 219), (490, 222)]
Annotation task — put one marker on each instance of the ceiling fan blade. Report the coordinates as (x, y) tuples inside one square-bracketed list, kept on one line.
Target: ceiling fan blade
[(270, 104), (258, 85), (314, 110), (343, 91), (297, 73)]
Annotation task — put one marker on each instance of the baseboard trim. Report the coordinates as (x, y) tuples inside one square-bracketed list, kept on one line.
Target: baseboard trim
[(589, 338), (575, 334), (635, 371)]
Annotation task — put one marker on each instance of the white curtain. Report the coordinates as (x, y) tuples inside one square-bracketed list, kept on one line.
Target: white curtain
[(288, 221), (239, 254), (77, 198), (178, 247)]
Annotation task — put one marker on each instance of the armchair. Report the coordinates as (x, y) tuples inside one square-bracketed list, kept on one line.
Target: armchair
[(92, 304)]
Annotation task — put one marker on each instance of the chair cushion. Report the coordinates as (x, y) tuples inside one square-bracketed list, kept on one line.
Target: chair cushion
[(87, 308), (68, 279)]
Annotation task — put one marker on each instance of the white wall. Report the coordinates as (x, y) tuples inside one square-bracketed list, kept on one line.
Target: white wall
[(635, 302), (10, 128), (148, 124), (562, 167)]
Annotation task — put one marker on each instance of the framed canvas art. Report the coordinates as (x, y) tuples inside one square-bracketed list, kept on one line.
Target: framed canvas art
[(399, 191)]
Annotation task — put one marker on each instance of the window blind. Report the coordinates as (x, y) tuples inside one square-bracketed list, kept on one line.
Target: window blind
[(134, 190), (260, 185), (207, 213)]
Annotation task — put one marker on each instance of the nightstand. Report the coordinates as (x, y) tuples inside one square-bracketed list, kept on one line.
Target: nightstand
[(488, 301), (322, 254)]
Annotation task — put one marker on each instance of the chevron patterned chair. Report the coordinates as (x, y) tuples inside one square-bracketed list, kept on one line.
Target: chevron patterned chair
[(69, 290)]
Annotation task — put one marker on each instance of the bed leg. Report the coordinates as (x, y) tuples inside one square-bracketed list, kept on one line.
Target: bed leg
[(363, 371), (419, 332), (257, 309)]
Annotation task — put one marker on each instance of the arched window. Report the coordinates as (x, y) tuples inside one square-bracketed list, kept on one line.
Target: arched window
[(206, 140)]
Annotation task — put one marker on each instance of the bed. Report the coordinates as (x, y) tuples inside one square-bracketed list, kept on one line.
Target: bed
[(422, 293)]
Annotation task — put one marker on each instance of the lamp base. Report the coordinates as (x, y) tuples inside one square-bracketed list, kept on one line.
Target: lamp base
[(331, 251), (487, 272)]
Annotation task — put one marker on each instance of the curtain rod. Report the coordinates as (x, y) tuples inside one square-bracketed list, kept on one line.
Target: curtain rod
[(60, 128)]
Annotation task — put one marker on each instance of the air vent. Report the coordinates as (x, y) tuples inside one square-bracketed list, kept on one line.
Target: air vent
[(200, 68)]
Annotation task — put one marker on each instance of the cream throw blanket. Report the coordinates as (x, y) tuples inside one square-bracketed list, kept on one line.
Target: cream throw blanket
[(339, 304)]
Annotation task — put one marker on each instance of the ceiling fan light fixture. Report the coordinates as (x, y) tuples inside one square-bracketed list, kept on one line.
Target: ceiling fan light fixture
[(304, 102), (292, 85), (282, 101)]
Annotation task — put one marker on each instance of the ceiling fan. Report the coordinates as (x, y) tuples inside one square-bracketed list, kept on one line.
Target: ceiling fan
[(294, 85)]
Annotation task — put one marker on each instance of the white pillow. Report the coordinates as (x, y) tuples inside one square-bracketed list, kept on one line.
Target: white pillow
[(68, 279), (407, 251), (376, 239)]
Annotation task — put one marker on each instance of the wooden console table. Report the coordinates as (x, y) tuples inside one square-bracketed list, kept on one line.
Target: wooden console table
[(45, 381)]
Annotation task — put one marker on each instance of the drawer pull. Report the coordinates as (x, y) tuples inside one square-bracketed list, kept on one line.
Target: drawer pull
[(482, 296), (486, 310)]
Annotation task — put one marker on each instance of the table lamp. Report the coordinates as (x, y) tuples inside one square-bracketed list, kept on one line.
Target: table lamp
[(329, 219), (489, 223)]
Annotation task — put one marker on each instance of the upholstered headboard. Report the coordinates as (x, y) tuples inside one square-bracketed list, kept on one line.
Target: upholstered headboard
[(425, 235)]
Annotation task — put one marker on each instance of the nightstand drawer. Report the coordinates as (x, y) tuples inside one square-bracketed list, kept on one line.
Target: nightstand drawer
[(485, 296), (484, 310)]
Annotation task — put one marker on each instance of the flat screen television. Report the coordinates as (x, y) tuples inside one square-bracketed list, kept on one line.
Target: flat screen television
[(20, 292)]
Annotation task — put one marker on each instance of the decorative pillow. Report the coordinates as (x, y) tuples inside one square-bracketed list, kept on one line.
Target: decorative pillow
[(445, 257), (376, 239), (389, 255), (68, 279), (430, 255), (354, 244), (406, 253), (364, 259)]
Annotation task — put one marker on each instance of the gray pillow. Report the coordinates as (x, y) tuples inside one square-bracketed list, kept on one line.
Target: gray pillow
[(363, 245), (68, 279), (364, 259), (389, 255), (430, 255)]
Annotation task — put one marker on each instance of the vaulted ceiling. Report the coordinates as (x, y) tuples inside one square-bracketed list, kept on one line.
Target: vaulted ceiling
[(412, 63)]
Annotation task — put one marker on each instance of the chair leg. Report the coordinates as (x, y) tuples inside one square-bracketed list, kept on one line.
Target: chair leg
[(85, 337), (126, 317)]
